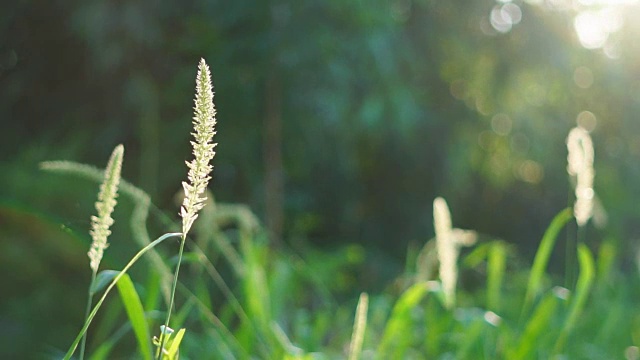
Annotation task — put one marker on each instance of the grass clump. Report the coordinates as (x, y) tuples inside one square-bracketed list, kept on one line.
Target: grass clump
[(246, 299)]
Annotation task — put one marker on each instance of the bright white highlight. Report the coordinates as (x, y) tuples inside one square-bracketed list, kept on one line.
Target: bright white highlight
[(580, 166)]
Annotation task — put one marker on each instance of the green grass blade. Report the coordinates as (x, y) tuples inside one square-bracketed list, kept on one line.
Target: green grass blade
[(606, 259), (583, 287), (400, 321), (152, 290), (175, 344), (477, 256), (471, 337), (542, 256), (103, 352), (93, 313), (257, 299), (135, 312), (537, 325), (359, 326), (496, 264), (104, 331)]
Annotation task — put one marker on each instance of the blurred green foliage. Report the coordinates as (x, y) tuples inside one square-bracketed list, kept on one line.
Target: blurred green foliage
[(383, 105)]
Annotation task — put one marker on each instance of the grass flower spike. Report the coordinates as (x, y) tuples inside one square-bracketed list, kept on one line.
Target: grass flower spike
[(446, 249), (204, 122), (100, 224), (106, 203), (580, 165)]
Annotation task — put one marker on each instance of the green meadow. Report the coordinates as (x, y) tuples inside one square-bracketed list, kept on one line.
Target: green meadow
[(320, 180)]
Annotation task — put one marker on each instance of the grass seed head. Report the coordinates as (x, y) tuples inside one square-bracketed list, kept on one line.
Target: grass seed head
[(204, 121), (580, 165), (447, 250), (101, 223)]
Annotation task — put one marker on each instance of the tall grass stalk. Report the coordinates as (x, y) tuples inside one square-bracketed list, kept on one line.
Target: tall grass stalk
[(580, 167), (100, 224), (204, 122)]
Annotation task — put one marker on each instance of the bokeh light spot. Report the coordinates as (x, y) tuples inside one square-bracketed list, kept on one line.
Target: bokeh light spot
[(583, 77), (458, 89), (503, 17), (530, 171), (587, 120), (594, 26), (501, 124)]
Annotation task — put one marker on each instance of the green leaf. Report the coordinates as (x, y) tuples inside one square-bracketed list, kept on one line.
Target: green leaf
[(606, 258), (103, 352), (135, 312), (496, 264), (476, 256), (103, 278), (583, 287), (542, 256), (400, 321), (175, 344), (537, 325)]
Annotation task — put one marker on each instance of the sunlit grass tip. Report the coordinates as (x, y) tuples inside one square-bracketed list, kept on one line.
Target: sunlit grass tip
[(359, 326), (101, 223), (446, 249), (580, 165), (204, 122)]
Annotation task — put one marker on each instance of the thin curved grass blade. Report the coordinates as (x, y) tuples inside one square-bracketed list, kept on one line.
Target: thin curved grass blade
[(400, 320), (542, 256), (585, 281), (537, 325)]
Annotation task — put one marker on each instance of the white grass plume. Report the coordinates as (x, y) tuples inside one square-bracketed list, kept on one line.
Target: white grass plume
[(449, 240), (447, 250), (204, 121), (106, 203), (580, 165)]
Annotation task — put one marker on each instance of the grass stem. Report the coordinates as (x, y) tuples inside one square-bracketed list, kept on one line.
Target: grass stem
[(163, 338), (87, 312)]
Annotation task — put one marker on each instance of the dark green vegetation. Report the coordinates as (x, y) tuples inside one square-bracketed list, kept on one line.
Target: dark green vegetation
[(339, 123)]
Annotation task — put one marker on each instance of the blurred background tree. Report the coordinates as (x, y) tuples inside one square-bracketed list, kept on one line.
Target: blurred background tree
[(338, 122)]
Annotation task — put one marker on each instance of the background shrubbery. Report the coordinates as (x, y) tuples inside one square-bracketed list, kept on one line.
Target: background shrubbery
[(339, 123)]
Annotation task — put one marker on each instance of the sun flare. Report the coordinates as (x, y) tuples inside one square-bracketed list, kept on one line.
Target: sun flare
[(596, 20)]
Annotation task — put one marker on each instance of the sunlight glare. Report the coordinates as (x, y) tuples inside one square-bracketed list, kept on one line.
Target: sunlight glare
[(594, 27), (503, 17), (597, 20)]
